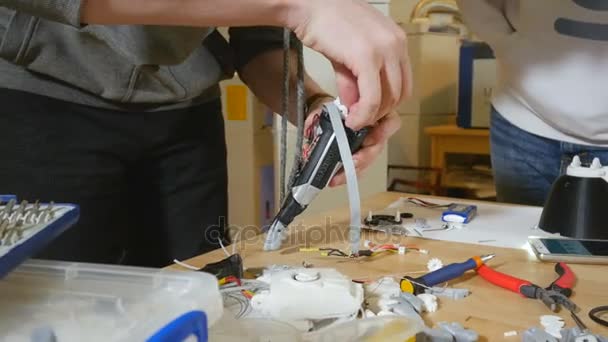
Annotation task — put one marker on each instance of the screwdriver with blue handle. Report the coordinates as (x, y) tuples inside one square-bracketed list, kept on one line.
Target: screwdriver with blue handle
[(446, 273)]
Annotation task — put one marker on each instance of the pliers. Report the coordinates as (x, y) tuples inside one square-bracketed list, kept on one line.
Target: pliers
[(555, 295)]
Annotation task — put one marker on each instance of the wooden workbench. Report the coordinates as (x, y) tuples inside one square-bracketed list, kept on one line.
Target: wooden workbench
[(489, 310)]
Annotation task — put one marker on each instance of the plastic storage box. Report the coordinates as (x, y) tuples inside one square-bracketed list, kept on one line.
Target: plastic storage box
[(57, 301), (44, 301)]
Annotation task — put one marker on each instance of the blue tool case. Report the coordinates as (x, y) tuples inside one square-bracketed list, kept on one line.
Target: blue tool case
[(64, 301)]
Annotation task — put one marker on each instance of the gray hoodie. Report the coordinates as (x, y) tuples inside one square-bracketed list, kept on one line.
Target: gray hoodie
[(45, 50)]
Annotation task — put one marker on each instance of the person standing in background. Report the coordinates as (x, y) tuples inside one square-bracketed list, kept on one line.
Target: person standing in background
[(114, 105), (551, 101)]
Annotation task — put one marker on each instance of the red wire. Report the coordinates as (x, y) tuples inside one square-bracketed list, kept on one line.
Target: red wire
[(233, 279), (313, 125)]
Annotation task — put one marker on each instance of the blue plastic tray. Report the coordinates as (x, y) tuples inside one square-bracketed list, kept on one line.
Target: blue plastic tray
[(36, 238)]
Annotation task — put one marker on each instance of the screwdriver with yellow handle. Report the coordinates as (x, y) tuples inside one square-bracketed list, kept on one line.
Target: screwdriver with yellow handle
[(446, 273)]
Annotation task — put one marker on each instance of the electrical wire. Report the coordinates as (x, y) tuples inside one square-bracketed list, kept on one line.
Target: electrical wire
[(241, 294), (445, 285), (426, 204), (237, 236), (399, 275), (223, 248), (185, 265), (243, 303), (382, 280), (596, 313)]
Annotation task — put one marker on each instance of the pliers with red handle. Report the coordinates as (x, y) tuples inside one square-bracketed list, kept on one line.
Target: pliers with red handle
[(553, 296)]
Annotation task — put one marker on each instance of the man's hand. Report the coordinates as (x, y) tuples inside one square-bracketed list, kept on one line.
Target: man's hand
[(368, 52), (373, 145)]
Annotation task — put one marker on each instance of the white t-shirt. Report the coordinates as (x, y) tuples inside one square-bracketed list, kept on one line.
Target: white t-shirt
[(553, 64)]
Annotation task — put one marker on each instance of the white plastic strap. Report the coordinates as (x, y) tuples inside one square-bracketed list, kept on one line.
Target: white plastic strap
[(351, 177)]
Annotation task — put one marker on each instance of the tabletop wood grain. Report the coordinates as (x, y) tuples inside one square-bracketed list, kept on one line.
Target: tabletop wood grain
[(489, 310)]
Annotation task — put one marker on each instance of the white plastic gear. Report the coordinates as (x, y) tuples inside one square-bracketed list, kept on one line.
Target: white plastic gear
[(430, 302), (434, 264)]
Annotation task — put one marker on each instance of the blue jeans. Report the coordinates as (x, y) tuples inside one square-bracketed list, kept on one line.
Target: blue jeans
[(526, 165)]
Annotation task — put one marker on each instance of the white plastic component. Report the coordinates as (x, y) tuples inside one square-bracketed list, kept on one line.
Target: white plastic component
[(555, 332), (510, 333), (397, 216), (309, 294), (553, 325), (369, 313), (586, 338), (367, 243), (546, 320), (434, 264), (370, 216), (343, 109), (90, 302), (385, 287), (401, 250), (430, 302), (387, 302), (596, 170), (386, 313), (307, 275), (424, 251)]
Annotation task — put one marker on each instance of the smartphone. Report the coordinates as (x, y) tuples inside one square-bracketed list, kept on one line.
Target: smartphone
[(570, 250)]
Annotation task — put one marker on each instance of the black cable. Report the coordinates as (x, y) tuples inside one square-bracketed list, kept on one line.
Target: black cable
[(285, 116), (595, 314), (300, 104)]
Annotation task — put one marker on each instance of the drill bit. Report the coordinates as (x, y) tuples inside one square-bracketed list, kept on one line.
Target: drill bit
[(3, 227), (8, 209), (49, 214), (33, 213), (21, 210)]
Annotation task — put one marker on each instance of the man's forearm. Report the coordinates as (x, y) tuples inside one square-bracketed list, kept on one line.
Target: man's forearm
[(264, 76), (191, 12)]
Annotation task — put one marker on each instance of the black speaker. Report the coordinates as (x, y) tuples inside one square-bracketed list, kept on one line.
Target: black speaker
[(577, 205)]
